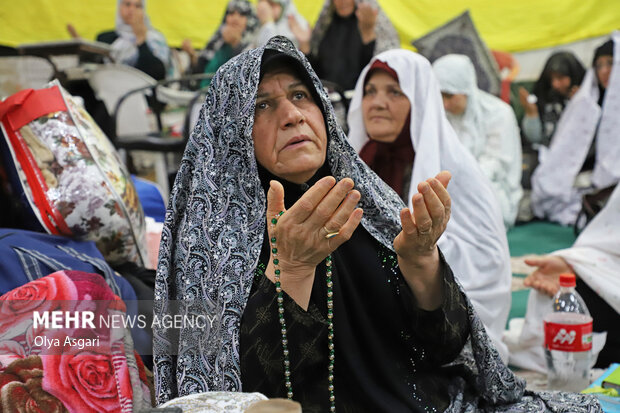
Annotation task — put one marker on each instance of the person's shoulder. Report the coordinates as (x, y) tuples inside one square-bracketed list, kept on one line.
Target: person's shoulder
[(496, 107), (107, 37)]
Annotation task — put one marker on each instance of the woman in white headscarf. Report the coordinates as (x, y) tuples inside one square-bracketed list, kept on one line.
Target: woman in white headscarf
[(594, 259), (135, 42), (487, 126), (281, 18), (474, 242), (584, 155)]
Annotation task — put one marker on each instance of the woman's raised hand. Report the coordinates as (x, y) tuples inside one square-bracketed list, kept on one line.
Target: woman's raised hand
[(301, 232), (367, 21), (431, 213), (530, 108), (416, 244), (139, 26)]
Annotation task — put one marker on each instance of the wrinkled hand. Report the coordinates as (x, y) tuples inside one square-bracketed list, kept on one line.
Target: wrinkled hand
[(366, 19), (72, 32), (431, 213), (572, 91), (187, 47), (530, 108), (300, 231), (546, 278), (138, 26), (302, 34)]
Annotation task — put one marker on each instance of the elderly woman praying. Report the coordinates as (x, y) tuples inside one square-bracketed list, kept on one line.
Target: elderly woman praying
[(319, 283)]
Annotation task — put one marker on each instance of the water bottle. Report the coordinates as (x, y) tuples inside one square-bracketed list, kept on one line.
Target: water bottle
[(568, 339)]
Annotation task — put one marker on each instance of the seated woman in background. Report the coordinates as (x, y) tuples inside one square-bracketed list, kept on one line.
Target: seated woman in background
[(487, 126), (235, 33), (347, 34), (595, 260), (135, 42), (281, 18), (558, 82), (397, 122), (306, 303), (584, 155)]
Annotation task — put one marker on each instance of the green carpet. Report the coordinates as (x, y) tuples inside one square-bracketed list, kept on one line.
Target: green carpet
[(539, 238), (534, 238)]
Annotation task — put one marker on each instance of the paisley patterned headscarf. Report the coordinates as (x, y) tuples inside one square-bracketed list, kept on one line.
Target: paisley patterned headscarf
[(214, 230), (387, 37)]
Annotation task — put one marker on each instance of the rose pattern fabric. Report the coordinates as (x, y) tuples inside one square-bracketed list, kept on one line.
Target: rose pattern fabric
[(95, 378), (53, 292), (21, 391), (88, 382), (86, 182)]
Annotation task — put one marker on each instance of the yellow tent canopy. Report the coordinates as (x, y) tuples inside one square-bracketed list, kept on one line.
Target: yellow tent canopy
[(511, 26)]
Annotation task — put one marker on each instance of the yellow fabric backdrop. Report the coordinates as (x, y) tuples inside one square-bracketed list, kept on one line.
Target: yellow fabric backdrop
[(504, 25)]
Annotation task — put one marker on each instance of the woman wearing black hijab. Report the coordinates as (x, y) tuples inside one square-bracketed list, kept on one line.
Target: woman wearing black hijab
[(559, 81), (347, 327)]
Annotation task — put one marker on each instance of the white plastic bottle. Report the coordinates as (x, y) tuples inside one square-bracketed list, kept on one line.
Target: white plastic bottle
[(568, 339)]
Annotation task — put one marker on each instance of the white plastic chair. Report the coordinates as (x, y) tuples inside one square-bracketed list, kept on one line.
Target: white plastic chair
[(19, 72), (110, 83), (126, 93)]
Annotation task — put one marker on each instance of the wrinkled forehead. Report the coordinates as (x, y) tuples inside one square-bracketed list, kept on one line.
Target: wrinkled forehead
[(278, 80)]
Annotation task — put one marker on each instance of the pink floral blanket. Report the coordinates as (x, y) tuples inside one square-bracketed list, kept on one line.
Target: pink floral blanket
[(63, 347)]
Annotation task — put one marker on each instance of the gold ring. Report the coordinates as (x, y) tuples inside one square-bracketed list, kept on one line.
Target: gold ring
[(330, 234)]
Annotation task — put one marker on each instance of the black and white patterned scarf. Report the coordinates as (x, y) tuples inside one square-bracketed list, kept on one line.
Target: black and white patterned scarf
[(214, 230)]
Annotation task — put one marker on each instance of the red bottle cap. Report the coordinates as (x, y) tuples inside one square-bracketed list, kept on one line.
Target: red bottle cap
[(567, 280)]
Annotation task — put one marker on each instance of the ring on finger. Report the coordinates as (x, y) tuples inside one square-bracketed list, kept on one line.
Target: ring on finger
[(330, 234)]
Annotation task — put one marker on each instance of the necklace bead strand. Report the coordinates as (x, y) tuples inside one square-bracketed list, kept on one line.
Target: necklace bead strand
[(283, 331)]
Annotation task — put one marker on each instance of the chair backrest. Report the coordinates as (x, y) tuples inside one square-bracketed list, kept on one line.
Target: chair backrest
[(192, 112), (110, 83), (22, 72)]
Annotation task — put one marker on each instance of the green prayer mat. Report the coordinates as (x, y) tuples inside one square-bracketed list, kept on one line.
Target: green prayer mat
[(539, 237)]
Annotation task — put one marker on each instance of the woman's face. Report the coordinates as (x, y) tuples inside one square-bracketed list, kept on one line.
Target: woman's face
[(603, 65), (560, 83), (385, 107), (455, 104), (237, 20), (276, 9), (290, 139), (344, 8), (128, 8)]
